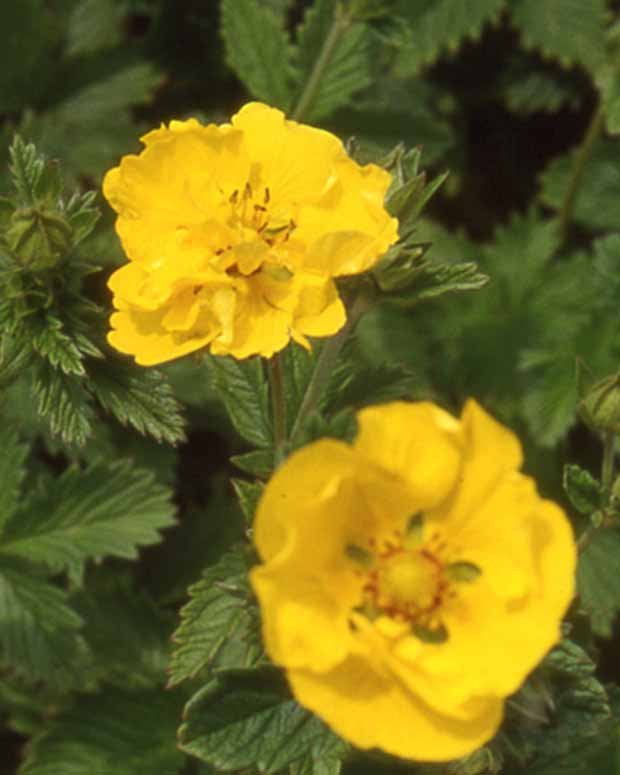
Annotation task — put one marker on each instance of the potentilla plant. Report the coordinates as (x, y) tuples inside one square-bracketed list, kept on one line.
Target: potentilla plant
[(393, 589)]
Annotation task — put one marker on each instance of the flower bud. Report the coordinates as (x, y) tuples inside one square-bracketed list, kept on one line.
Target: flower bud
[(600, 407)]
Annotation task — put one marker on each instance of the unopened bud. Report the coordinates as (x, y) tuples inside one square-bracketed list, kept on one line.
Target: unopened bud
[(38, 238), (600, 407)]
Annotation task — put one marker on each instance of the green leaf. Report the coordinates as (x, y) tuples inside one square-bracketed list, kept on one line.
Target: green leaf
[(120, 732), (297, 369), (64, 404), (354, 385), (583, 490), (258, 463), (581, 736), (140, 398), (571, 31), (598, 580), (94, 25), (26, 169), (127, 633), (436, 25), (248, 493), (38, 630), (12, 472), (107, 509), (52, 343), (244, 719), (348, 71), (537, 91), (220, 625), (242, 388), (257, 49)]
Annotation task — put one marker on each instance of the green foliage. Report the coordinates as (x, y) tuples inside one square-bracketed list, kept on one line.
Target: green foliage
[(120, 731), (12, 472), (46, 317), (220, 625), (106, 509), (434, 26), (569, 30), (583, 490), (257, 49), (580, 735), (242, 388), (245, 718), (39, 635), (598, 580), (326, 30), (600, 183)]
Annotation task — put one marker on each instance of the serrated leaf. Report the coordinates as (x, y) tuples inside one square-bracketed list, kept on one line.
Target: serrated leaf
[(94, 25), (348, 70), (354, 385), (534, 91), (120, 732), (257, 49), (220, 624), (600, 183), (63, 402), (583, 490), (26, 169), (242, 388), (259, 463), (107, 509), (127, 633), (248, 493), (598, 580), (12, 472), (244, 719), (38, 630), (52, 343), (436, 25), (137, 397), (568, 30), (297, 368)]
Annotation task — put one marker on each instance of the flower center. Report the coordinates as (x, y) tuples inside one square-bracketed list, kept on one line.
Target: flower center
[(250, 216), (408, 579)]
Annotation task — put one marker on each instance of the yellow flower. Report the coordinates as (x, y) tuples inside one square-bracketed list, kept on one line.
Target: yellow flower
[(411, 581), (234, 233)]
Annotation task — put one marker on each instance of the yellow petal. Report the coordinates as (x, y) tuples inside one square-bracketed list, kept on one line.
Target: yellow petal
[(375, 711), (307, 586), (418, 443), (320, 312)]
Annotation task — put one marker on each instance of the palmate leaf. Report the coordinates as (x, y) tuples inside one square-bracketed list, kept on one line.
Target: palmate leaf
[(107, 509), (257, 49), (245, 719), (436, 25), (120, 732), (12, 472), (349, 68), (39, 635), (220, 624), (572, 31)]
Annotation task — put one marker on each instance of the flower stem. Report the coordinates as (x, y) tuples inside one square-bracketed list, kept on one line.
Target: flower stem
[(579, 166), (278, 403), (326, 362), (340, 24), (607, 479)]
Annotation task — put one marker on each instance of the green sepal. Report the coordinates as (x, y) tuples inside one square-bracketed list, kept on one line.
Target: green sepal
[(583, 490)]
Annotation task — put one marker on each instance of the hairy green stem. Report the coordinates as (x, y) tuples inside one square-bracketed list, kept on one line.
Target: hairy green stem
[(340, 24), (579, 166), (278, 404), (326, 362)]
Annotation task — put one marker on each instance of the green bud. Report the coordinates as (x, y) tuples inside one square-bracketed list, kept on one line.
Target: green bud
[(359, 555), (600, 407), (437, 634), (38, 238), (462, 571)]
